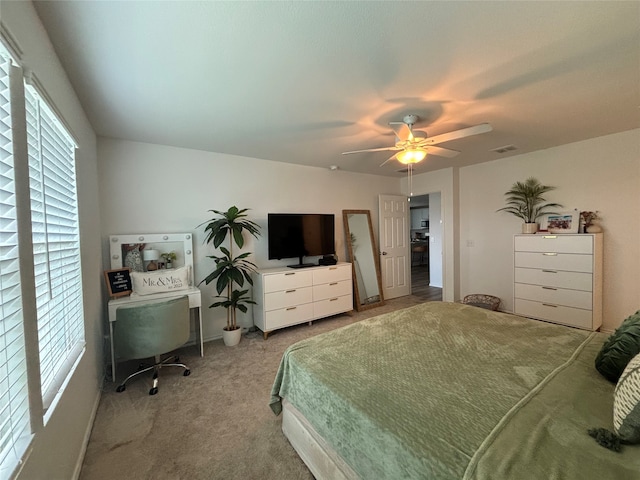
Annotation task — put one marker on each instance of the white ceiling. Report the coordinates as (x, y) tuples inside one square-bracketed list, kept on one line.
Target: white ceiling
[(301, 82)]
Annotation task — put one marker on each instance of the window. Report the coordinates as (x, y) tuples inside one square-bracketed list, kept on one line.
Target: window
[(14, 403), (56, 244), (40, 271)]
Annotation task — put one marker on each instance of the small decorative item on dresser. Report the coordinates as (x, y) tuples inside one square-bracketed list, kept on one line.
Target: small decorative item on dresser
[(152, 256), (169, 258), (565, 222), (589, 220)]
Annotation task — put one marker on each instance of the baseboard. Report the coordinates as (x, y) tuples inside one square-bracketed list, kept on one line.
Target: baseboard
[(87, 436)]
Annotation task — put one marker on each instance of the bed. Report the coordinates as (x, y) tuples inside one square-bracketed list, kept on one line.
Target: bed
[(449, 391)]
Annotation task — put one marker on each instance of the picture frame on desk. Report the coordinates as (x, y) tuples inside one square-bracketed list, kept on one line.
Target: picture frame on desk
[(119, 282), (564, 222)]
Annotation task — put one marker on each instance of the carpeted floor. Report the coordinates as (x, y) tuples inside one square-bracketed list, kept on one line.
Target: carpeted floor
[(213, 424)]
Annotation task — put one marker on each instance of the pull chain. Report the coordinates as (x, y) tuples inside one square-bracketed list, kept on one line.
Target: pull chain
[(410, 180)]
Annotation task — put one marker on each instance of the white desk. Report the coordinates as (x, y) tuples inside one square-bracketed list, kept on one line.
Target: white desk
[(195, 301)]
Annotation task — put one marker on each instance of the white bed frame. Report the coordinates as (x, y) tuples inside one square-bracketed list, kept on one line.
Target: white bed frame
[(320, 457)]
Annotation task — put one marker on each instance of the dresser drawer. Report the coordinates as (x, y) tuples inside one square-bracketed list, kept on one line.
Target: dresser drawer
[(333, 273), (284, 317), (333, 289), (556, 296), (574, 317), (332, 306), (554, 243), (555, 278), (288, 298), (555, 261), (287, 281)]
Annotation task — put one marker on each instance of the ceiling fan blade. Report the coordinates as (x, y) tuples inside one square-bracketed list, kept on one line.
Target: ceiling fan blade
[(464, 132), (381, 149), (402, 130), (392, 157), (441, 151)]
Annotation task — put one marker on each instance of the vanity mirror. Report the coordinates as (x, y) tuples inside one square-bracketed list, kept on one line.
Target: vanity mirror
[(363, 255)]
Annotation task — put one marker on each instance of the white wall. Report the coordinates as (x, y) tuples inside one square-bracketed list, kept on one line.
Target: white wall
[(435, 240), (149, 188), (599, 174), (58, 448)]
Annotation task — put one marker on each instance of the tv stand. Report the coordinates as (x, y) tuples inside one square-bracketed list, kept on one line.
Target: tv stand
[(301, 265), (286, 297)]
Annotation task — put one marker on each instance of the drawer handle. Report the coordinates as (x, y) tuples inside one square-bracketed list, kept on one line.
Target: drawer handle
[(289, 291), (549, 288), (550, 254), (292, 308), (333, 268), (549, 271), (550, 236), (334, 283), (549, 305), (292, 273), (333, 299)]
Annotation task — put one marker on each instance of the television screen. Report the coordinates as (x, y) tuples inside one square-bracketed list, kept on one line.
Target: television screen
[(298, 235)]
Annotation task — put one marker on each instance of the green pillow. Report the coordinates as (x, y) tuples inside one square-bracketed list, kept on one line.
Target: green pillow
[(626, 403), (619, 349)]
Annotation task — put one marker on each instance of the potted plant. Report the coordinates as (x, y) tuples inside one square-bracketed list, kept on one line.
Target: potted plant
[(525, 200), (230, 271), (169, 258), (589, 221)]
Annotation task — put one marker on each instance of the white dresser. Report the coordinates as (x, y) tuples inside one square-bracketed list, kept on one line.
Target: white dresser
[(558, 278), (287, 296)]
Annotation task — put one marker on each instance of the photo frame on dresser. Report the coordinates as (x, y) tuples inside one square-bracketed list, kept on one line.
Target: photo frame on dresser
[(564, 222)]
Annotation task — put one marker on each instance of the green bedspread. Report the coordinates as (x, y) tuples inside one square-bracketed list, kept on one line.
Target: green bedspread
[(449, 391)]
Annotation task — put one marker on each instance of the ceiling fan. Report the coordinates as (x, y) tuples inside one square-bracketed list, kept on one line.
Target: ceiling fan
[(414, 145)]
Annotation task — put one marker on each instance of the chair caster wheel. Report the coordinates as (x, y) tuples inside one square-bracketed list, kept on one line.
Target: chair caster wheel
[(153, 391), (121, 388), (187, 373)]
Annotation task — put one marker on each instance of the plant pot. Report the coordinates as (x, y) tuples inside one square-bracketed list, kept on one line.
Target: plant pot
[(594, 228), (231, 337), (529, 227)]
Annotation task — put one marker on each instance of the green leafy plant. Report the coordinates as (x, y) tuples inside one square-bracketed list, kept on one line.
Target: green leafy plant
[(525, 200), (169, 257), (229, 270), (589, 217)]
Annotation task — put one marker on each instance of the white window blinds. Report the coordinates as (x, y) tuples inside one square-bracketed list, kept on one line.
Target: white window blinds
[(14, 401), (56, 244)]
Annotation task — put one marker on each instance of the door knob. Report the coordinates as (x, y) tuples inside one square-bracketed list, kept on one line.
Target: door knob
[(384, 253)]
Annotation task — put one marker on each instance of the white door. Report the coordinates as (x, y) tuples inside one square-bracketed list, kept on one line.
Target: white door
[(395, 264)]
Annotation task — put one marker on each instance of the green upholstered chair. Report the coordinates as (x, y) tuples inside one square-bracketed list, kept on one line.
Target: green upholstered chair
[(150, 330)]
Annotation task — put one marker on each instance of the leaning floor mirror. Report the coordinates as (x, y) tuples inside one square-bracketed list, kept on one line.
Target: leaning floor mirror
[(363, 255)]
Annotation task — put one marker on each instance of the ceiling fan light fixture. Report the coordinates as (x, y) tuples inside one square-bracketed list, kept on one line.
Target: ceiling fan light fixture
[(411, 155)]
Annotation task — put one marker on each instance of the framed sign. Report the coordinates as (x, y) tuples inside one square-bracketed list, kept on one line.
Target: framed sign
[(118, 282)]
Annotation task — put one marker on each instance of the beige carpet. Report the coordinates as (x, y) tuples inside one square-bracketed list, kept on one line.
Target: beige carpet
[(213, 424)]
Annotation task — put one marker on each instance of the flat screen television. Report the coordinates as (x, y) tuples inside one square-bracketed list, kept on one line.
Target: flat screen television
[(299, 235)]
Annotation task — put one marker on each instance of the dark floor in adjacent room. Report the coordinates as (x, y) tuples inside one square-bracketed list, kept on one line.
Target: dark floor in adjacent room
[(420, 284)]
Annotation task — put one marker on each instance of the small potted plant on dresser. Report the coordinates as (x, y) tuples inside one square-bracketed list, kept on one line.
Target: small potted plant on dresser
[(525, 200), (231, 271), (169, 258)]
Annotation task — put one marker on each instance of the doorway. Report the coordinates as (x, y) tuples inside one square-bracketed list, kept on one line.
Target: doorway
[(426, 246)]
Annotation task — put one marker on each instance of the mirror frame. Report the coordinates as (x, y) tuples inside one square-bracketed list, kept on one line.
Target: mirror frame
[(376, 259)]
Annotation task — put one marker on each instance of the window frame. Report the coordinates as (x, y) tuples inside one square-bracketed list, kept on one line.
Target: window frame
[(40, 397)]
